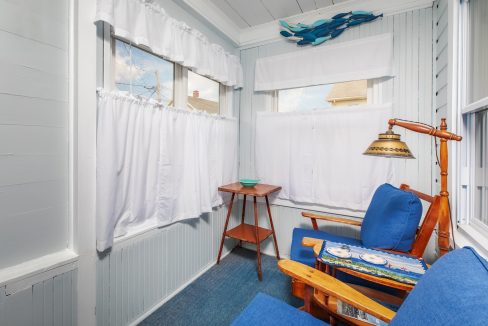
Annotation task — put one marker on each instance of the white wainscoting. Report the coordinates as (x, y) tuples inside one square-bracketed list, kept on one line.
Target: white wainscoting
[(285, 219), (141, 273), (50, 302), (410, 92)]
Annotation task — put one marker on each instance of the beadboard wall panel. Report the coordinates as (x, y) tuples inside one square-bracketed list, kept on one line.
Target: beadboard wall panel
[(51, 302), (140, 273), (410, 92)]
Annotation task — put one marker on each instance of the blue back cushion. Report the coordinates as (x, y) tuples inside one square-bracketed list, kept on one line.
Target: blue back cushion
[(452, 292), (392, 219)]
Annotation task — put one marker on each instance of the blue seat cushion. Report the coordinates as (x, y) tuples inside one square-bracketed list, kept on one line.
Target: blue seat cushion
[(392, 219), (266, 310), (305, 255), (452, 292)]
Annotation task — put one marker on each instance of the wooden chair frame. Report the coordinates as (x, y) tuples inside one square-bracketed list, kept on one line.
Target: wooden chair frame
[(423, 235), (325, 291)]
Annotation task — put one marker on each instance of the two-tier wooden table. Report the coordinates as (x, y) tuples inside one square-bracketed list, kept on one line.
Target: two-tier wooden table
[(247, 232)]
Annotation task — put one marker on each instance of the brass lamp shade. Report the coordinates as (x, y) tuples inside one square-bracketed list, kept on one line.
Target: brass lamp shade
[(389, 145)]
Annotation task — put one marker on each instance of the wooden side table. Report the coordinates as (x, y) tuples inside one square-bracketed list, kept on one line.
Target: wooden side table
[(247, 232)]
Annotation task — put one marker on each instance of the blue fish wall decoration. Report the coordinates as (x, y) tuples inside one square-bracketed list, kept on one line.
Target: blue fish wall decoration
[(323, 30)]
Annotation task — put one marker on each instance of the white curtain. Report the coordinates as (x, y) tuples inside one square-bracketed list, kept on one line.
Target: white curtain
[(366, 58), (156, 165), (145, 23), (316, 156)]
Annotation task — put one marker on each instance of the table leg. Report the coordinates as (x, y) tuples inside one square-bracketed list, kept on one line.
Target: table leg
[(243, 215), (225, 227), (272, 229), (258, 243)]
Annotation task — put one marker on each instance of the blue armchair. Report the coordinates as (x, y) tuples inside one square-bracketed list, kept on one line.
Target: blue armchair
[(391, 222), (452, 292)]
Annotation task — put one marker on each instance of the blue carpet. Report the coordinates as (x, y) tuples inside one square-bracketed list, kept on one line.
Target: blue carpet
[(219, 295)]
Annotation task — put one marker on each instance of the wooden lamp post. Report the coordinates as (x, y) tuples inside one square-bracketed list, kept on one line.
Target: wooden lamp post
[(390, 145)]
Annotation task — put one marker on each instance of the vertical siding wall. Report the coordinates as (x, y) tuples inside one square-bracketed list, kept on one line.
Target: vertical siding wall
[(441, 49), (142, 272), (48, 303), (410, 92)]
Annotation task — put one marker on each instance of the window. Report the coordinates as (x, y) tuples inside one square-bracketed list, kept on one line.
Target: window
[(474, 113), (203, 93), (480, 189), (323, 96), (143, 74)]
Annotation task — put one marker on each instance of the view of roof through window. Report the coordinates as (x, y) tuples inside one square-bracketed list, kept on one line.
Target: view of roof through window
[(203, 93), (323, 96), (143, 74)]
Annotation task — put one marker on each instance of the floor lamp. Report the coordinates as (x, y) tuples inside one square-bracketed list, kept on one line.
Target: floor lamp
[(389, 144)]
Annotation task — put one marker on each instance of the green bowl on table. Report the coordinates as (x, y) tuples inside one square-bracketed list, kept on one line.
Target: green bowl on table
[(249, 182)]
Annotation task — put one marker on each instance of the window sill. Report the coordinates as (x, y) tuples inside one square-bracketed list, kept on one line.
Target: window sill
[(466, 235), (36, 270)]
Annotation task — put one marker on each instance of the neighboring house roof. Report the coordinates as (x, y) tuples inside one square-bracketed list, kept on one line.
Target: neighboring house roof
[(203, 104), (348, 91)]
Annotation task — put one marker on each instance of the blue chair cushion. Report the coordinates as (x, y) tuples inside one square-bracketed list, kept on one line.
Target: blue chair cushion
[(305, 255), (452, 292), (392, 219), (266, 310)]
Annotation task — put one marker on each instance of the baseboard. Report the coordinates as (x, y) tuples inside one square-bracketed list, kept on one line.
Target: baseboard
[(139, 319)]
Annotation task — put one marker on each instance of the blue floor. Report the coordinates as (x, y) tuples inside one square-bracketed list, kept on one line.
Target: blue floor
[(219, 295)]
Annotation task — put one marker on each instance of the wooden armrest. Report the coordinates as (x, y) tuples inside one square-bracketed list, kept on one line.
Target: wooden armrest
[(332, 219), (311, 242), (334, 288)]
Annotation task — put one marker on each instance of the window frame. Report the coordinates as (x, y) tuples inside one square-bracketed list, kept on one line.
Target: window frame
[(180, 78), (372, 88), (464, 113)]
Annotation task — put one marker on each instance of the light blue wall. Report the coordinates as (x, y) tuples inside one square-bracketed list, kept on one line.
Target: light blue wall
[(410, 92), (51, 302)]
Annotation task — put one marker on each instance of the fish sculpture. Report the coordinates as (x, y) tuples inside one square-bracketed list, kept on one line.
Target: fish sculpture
[(323, 30)]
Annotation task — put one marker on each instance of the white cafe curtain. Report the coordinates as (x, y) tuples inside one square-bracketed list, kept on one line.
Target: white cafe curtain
[(146, 23), (156, 166), (316, 156), (366, 58)]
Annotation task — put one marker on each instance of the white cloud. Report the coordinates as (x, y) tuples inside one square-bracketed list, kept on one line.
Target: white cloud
[(124, 73)]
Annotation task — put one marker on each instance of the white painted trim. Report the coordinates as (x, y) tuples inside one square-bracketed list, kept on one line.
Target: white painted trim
[(17, 286), (71, 127), (181, 288), (212, 14), (475, 106), (468, 236), (38, 266)]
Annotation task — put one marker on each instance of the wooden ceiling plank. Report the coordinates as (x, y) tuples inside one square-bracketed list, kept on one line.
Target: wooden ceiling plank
[(252, 11), (231, 13), (282, 8)]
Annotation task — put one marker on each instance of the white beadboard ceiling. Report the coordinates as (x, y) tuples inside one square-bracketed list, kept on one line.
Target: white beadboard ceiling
[(250, 22), (250, 13)]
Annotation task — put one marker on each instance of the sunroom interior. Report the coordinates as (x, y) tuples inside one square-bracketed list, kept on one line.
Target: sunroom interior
[(230, 162)]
